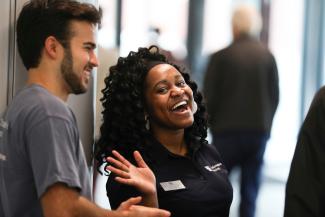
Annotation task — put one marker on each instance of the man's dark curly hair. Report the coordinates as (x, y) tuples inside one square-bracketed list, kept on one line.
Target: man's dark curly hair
[(123, 127)]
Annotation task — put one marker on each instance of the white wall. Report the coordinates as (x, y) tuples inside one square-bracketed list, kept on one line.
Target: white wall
[(4, 52)]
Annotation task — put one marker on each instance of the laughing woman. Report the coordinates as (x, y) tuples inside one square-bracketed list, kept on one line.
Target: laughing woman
[(152, 106)]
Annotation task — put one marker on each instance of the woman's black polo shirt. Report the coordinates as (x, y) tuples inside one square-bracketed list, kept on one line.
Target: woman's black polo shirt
[(195, 186)]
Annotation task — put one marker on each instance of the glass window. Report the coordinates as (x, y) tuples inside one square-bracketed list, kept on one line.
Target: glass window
[(286, 45), (161, 22), (107, 32)]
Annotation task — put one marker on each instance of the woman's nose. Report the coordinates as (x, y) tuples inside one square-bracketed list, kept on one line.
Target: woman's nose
[(177, 91)]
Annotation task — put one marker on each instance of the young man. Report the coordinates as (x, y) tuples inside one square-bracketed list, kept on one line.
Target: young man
[(42, 165)]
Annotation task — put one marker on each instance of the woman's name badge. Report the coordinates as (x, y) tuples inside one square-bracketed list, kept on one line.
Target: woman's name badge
[(172, 185)]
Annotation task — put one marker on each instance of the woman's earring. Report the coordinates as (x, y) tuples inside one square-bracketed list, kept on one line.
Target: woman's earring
[(194, 107), (146, 118)]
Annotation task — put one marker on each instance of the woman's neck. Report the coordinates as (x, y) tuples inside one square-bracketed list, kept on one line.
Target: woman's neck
[(173, 140)]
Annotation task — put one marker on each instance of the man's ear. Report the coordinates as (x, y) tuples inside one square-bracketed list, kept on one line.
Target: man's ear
[(52, 47)]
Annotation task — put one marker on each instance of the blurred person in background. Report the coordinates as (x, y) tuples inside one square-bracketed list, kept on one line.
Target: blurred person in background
[(242, 92)]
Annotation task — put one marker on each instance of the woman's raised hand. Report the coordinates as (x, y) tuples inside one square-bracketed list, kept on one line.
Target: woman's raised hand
[(140, 176)]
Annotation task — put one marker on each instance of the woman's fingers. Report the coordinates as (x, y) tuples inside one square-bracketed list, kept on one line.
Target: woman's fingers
[(118, 172), (117, 164), (138, 158), (121, 158), (125, 181)]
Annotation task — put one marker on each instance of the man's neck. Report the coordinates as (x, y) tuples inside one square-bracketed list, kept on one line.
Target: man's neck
[(48, 81)]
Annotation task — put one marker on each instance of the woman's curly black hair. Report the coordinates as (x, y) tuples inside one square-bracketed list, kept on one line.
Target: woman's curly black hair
[(123, 127)]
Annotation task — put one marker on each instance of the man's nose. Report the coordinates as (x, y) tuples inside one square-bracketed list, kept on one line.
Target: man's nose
[(94, 60)]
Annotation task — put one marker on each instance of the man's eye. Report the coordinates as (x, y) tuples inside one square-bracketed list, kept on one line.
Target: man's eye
[(88, 48)]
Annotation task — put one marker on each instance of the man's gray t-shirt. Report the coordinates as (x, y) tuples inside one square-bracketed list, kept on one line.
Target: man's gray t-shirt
[(42, 148)]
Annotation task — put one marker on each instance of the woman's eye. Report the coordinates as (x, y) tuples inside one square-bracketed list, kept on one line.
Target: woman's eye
[(162, 90), (181, 83)]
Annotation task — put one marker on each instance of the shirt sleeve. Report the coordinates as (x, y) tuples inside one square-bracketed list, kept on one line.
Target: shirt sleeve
[(52, 145)]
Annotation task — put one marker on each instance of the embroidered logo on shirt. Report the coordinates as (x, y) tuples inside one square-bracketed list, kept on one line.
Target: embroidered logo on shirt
[(172, 185), (214, 168)]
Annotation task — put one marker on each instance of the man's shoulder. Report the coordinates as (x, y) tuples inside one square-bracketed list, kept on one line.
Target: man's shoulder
[(37, 101), (32, 92)]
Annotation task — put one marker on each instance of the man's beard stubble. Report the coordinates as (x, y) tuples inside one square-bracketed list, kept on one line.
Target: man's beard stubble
[(71, 78)]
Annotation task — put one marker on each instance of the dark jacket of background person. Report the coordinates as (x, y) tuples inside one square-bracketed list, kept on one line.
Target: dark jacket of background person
[(241, 87), (305, 190)]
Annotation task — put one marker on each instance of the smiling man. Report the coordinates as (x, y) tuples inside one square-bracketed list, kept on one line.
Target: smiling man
[(42, 164)]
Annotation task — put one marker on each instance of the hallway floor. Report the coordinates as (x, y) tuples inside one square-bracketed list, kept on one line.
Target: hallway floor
[(270, 202)]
